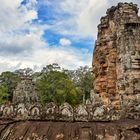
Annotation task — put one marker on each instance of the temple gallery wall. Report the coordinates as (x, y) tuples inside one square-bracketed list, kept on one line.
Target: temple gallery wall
[(116, 68)]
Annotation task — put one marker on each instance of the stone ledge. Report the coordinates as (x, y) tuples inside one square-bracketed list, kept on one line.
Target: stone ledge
[(46, 130)]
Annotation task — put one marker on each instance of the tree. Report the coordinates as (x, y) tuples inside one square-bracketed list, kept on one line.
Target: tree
[(54, 83), (24, 72), (9, 80), (83, 80), (56, 86), (51, 67), (3, 94)]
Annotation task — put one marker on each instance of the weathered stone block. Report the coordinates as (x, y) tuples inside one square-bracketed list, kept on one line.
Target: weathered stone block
[(120, 63)]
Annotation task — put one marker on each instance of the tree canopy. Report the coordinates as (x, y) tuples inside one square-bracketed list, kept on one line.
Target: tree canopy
[(54, 84), (9, 80), (57, 87), (3, 94)]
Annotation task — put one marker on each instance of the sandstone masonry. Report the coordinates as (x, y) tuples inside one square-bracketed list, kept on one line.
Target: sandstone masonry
[(116, 60), (25, 92)]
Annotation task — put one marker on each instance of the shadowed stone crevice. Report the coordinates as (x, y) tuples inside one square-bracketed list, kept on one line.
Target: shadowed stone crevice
[(136, 130)]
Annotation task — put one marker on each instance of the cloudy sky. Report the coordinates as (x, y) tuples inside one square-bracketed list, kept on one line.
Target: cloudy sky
[(34, 33)]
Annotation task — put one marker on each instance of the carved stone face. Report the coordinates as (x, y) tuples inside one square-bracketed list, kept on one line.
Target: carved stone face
[(135, 61)]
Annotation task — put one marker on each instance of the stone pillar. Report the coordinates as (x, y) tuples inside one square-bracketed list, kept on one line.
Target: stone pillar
[(116, 58)]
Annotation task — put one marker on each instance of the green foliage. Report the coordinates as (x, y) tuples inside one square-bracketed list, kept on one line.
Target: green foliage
[(9, 80), (56, 86), (24, 72), (51, 67), (83, 80), (3, 94)]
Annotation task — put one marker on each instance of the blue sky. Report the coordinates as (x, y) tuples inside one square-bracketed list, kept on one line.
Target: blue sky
[(35, 33)]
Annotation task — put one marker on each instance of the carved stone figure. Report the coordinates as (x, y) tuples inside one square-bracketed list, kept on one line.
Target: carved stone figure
[(51, 111), (22, 112), (81, 113), (8, 111), (99, 113), (35, 111), (66, 112)]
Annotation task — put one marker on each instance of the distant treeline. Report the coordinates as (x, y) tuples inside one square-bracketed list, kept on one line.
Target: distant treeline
[(54, 84)]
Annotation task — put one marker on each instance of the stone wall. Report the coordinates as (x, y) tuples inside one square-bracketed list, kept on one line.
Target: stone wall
[(116, 59)]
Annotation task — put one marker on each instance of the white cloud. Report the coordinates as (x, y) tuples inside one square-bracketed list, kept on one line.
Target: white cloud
[(89, 17), (14, 16), (31, 15), (21, 41), (8, 65), (17, 33), (22, 45), (65, 42), (66, 57), (84, 16)]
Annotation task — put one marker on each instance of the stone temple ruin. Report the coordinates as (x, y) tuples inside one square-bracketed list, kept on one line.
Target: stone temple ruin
[(116, 61), (116, 93), (25, 92), (116, 68)]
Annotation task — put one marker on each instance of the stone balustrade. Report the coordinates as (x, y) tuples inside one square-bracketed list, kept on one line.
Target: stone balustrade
[(65, 112)]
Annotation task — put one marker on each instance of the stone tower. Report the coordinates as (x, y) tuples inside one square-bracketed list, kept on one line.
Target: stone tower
[(116, 58), (25, 92)]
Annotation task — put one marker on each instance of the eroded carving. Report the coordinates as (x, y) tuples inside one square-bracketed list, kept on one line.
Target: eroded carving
[(66, 112)]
